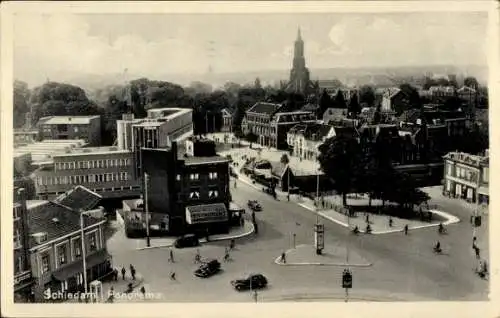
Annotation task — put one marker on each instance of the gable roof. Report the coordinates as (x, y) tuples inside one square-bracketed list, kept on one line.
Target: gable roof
[(226, 112), (56, 220), (264, 108), (79, 198)]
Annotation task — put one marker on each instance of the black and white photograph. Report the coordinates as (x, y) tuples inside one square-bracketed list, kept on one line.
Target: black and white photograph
[(259, 156)]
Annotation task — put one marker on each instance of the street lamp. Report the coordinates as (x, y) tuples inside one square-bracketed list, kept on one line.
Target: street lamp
[(84, 256), (146, 182), (319, 229)]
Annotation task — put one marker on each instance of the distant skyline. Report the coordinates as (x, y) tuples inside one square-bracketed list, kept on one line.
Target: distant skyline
[(63, 46)]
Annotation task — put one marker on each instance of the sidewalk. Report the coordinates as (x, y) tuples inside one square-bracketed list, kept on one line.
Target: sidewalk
[(235, 232), (332, 255), (120, 287)]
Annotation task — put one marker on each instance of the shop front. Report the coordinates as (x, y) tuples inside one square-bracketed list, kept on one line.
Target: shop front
[(207, 219)]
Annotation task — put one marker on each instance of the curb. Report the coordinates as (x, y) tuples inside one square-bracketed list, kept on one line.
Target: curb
[(202, 241), (451, 220), (277, 262)]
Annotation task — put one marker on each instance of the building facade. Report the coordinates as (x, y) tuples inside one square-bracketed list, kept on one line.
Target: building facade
[(108, 171), (183, 195), (305, 139), (56, 250), (466, 177), (227, 120), (23, 280), (87, 128)]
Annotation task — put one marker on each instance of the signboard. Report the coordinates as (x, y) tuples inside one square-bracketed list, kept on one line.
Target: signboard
[(319, 236), (346, 279)]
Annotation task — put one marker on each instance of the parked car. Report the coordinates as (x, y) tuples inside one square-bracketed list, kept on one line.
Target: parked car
[(188, 240), (208, 269), (253, 281), (254, 205)]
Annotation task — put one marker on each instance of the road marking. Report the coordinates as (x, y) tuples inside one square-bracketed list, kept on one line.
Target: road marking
[(277, 261)]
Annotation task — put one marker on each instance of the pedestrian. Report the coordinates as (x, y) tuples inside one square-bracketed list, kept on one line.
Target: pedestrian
[(242, 221), (283, 258), (232, 244), (255, 295), (406, 229), (171, 258), (390, 222), (111, 293), (477, 250), (132, 271), (172, 275), (367, 219), (143, 291), (226, 257), (115, 274), (123, 273)]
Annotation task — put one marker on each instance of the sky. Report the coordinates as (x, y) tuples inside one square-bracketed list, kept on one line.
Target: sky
[(62, 46)]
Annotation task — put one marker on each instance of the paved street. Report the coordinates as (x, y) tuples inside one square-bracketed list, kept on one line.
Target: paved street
[(403, 267)]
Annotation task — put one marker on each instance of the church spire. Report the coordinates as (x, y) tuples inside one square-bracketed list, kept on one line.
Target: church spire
[(299, 36)]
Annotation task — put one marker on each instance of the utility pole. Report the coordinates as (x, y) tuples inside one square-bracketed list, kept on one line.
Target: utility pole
[(146, 181)]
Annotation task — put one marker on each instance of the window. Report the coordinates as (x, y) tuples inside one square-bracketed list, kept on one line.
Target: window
[(194, 195), (178, 177), (450, 169), (45, 263), (61, 255), (93, 241), (77, 248), (485, 174), (213, 194), (194, 176), (18, 266), (116, 162), (108, 177), (111, 162), (212, 175)]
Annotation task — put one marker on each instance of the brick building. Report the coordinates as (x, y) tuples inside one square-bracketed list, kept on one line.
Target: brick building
[(188, 194), (466, 176), (56, 244), (87, 128)]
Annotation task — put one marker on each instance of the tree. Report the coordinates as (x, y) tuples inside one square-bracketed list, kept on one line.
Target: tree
[(405, 193), (251, 138), (471, 82), (325, 102), (284, 159), (377, 116), (340, 159), (412, 98), (21, 98), (354, 108), (367, 95), (339, 101)]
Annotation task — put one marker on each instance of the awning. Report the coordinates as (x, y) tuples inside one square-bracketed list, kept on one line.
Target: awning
[(77, 267), (206, 213), (484, 190)]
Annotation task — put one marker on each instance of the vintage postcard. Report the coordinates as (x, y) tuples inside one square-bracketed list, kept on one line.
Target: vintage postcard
[(233, 159)]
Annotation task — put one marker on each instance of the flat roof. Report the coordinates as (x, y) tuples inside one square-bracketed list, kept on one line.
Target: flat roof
[(190, 161), (41, 151), (76, 120), (93, 151)]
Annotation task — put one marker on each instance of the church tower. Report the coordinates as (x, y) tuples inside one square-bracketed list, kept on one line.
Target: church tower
[(299, 75)]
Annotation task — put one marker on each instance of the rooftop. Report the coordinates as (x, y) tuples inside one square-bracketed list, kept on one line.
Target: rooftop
[(468, 158), (79, 198), (264, 108), (92, 150), (57, 221), (66, 120), (191, 161), (45, 150)]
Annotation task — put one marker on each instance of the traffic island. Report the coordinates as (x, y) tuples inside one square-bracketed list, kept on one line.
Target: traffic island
[(235, 233), (305, 255)]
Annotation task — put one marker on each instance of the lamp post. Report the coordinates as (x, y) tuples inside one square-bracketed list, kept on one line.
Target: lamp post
[(146, 183), (318, 228), (84, 252)]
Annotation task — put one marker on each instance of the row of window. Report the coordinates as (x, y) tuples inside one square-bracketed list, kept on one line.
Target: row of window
[(196, 176), (463, 173), (91, 178), (211, 194), (91, 164), (63, 253)]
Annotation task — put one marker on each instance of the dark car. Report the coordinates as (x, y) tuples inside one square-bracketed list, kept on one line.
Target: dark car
[(208, 269), (253, 281), (254, 205), (188, 240)]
